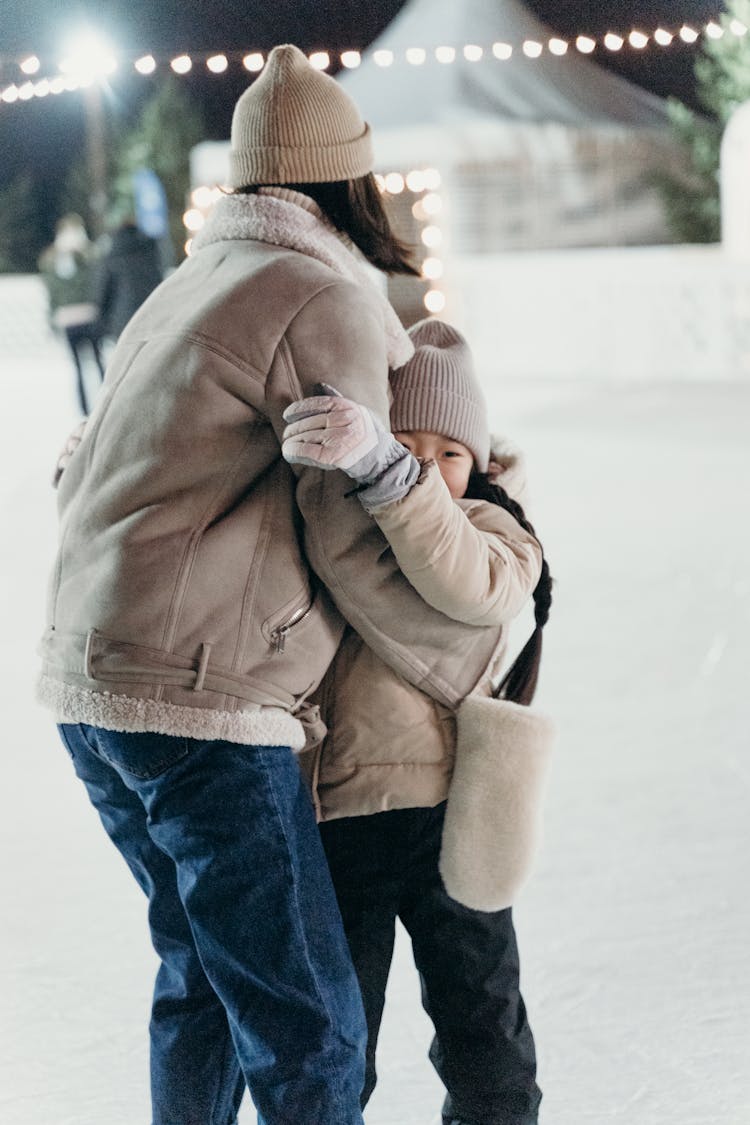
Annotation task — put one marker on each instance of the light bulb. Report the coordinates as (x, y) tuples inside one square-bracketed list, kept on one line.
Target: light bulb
[(445, 54), (146, 64), (434, 300)]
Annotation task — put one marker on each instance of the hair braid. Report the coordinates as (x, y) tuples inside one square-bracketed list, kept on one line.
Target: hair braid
[(519, 683)]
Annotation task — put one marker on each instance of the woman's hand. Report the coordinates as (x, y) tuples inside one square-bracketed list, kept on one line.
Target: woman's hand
[(328, 431), (72, 443)]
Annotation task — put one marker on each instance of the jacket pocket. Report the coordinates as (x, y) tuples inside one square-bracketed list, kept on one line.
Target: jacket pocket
[(144, 755), (277, 628)]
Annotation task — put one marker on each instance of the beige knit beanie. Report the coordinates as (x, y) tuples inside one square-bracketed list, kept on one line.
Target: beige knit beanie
[(296, 125), (437, 390)]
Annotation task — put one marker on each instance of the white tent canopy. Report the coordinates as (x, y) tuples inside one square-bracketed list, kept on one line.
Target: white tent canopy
[(534, 152), (568, 90)]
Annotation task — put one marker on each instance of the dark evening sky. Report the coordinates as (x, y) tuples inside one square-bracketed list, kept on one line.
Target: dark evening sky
[(41, 136)]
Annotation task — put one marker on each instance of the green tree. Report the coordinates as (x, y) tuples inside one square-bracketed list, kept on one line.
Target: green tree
[(77, 187), (19, 237), (167, 128), (722, 71)]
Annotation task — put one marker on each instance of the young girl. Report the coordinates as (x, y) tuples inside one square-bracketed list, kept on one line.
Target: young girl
[(380, 779)]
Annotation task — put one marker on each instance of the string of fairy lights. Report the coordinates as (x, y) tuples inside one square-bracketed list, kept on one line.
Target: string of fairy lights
[(95, 62)]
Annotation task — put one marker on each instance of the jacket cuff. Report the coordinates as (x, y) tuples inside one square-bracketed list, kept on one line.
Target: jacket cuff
[(392, 484)]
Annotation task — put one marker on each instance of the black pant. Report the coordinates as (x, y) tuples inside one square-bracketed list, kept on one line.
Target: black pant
[(77, 335), (386, 866)]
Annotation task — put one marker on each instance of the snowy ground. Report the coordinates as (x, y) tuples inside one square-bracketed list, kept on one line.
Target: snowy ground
[(633, 930)]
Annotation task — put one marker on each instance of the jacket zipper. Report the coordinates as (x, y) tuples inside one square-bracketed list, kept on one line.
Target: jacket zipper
[(279, 634)]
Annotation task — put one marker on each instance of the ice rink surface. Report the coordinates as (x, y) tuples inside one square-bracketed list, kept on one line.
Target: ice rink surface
[(633, 931)]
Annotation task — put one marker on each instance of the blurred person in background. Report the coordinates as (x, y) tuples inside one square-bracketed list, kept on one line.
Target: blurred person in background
[(129, 272), (67, 268)]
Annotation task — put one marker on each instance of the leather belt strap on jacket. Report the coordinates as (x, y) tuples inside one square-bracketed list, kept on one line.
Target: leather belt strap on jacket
[(97, 657)]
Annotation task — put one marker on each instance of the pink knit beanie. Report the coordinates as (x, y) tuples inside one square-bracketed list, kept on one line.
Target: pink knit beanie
[(437, 390), (297, 125)]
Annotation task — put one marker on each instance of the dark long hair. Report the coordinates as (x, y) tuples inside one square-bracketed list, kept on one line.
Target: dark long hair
[(519, 682), (356, 208)]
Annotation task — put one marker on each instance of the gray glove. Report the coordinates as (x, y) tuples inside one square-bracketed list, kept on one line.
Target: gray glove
[(328, 431)]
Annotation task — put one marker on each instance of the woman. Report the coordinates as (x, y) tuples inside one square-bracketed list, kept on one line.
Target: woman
[(186, 629)]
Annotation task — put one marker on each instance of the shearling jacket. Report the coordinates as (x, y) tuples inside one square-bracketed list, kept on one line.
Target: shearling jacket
[(181, 599), (389, 745)]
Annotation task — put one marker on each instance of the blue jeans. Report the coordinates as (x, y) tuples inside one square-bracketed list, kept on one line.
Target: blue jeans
[(255, 982)]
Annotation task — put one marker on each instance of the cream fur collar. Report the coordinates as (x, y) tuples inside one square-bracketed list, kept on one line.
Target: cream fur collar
[(288, 218)]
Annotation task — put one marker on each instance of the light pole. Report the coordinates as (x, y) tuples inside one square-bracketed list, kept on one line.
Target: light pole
[(89, 61), (96, 158)]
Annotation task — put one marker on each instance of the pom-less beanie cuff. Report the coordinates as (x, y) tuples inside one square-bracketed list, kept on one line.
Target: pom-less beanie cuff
[(303, 165), (296, 125)]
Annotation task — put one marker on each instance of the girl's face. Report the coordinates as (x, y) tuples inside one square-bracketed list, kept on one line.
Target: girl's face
[(454, 460)]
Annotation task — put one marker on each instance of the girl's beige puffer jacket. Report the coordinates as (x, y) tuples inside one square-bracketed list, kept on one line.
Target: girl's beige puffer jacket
[(389, 745)]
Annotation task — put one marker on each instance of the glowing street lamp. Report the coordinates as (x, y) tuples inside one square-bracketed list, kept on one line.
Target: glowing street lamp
[(88, 57)]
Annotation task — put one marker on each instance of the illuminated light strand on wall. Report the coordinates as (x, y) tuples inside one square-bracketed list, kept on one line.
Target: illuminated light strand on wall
[(416, 56), (194, 219), (424, 183), (202, 200)]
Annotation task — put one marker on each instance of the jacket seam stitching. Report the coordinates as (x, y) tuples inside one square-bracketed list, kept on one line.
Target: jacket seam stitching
[(245, 366), (188, 557), (252, 584), (93, 434), (284, 347), (426, 674)]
